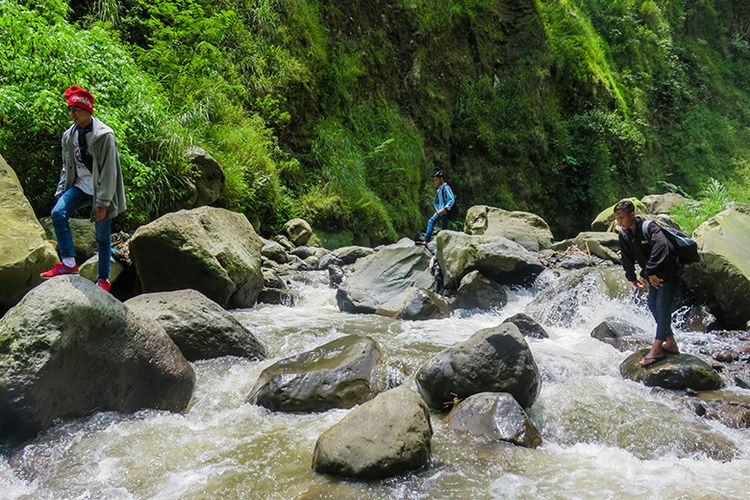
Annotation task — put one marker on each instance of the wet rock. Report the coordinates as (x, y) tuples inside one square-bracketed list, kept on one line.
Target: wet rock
[(340, 374), (497, 258), (478, 293), (731, 408), (310, 263), (272, 280), (298, 231), (277, 296), (604, 245), (696, 318), (303, 252), (577, 262), (24, 249), (351, 254), (284, 242), (492, 360), (387, 436), (495, 416), (84, 236), (212, 250), (528, 326), (678, 372), (415, 304), (384, 275), (621, 335), (662, 203), (722, 277), (742, 381), (200, 327), (209, 181), (526, 229), (329, 260), (68, 349), (273, 250), (335, 276), (604, 220), (723, 356)]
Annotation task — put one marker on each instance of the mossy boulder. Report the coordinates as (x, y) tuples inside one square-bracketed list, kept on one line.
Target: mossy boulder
[(415, 304), (495, 359), (273, 250), (497, 258), (84, 236), (209, 176), (339, 374), (212, 250), (662, 203), (678, 372), (527, 229), (495, 416), (722, 277), (68, 349), (90, 269), (298, 231), (528, 326), (606, 217), (384, 437), (24, 249), (621, 335), (200, 327)]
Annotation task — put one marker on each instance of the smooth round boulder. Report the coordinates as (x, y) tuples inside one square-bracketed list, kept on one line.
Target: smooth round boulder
[(90, 269), (200, 327), (495, 416), (477, 293), (528, 326), (84, 236), (606, 217), (68, 349), (212, 250), (675, 371), (384, 437), (527, 229), (273, 250), (415, 304), (621, 335), (209, 178), (495, 359), (329, 260), (662, 203), (24, 249), (351, 254), (298, 231), (497, 258), (339, 374)]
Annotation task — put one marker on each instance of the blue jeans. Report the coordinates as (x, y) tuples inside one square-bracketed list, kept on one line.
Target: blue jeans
[(431, 225), (660, 303), (70, 202)]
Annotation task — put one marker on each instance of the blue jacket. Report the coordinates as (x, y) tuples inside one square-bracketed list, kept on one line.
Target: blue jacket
[(444, 198)]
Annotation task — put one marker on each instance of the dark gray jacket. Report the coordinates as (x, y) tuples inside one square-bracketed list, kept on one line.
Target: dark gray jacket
[(654, 253)]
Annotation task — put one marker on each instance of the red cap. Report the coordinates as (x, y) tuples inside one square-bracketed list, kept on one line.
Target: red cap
[(80, 98)]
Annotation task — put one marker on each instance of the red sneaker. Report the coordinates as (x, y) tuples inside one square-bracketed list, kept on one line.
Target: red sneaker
[(103, 284), (59, 270)]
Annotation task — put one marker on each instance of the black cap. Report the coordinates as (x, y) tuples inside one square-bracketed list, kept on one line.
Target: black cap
[(438, 173)]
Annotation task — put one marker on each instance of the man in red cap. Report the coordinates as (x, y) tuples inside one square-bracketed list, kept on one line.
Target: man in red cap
[(90, 176)]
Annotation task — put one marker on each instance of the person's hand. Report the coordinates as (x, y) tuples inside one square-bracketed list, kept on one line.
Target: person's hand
[(639, 284), (655, 281), (441, 211), (100, 213)]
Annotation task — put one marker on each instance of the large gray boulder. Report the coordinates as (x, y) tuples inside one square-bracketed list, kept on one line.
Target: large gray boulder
[(621, 335), (209, 178), (24, 249), (212, 250), (605, 219), (200, 327), (384, 437), (68, 349), (383, 275), (495, 416), (722, 277), (604, 245), (478, 293), (527, 229), (492, 360), (662, 203), (84, 236), (273, 250), (298, 231), (678, 372), (340, 374), (528, 326), (351, 254), (497, 258), (415, 304)]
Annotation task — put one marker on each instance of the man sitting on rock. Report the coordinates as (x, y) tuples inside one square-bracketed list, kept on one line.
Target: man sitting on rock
[(90, 176), (656, 257), (444, 201)]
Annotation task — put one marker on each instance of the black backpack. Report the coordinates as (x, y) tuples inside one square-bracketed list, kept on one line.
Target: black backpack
[(685, 247), (452, 214)]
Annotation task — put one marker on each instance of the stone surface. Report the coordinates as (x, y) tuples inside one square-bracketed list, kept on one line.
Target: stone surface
[(90, 269), (209, 180), (84, 236), (528, 326), (497, 258), (273, 250), (68, 349), (383, 275), (277, 296), (662, 203), (339, 374), (298, 231), (387, 436), (415, 304), (284, 242), (621, 335), (722, 277), (492, 360), (212, 250), (681, 371), (495, 416), (24, 249), (603, 245), (329, 260), (478, 293), (604, 220), (200, 327), (335, 276), (351, 254), (527, 229)]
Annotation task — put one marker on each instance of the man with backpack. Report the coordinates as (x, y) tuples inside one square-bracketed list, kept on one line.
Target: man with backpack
[(444, 202), (644, 242)]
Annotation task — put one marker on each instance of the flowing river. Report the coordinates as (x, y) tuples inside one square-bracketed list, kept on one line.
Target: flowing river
[(603, 437)]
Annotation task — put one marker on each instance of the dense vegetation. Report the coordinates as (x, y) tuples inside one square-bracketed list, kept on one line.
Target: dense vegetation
[(339, 111)]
